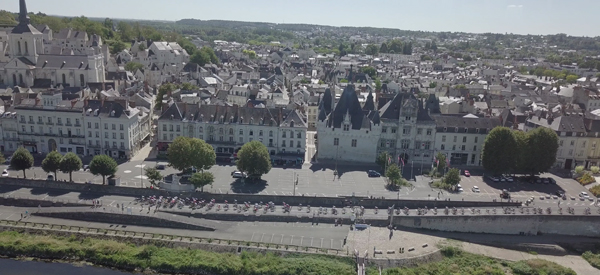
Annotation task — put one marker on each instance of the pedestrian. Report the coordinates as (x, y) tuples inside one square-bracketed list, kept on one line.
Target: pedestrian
[(21, 216), (26, 213), (39, 207)]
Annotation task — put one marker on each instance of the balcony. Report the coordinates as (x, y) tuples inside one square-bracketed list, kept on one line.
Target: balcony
[(59, 123), (49, 123), (74, 142), (22, 121), (77, 125), (94, 146), (40, 123), (11, 138), (272, 145), (68, 124), (31, 122)]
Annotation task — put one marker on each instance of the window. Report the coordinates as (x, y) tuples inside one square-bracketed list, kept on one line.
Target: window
[(31, 128), (251, 133), (336, 141), (419, 131), (427, 145), (221, 138), (464, 139), (114, 144), (242, 132), (560, 143), (475, 148), (453, 147), (570, 152), (30, 118), (407, 118), (382, 144), (40, 119), (77, 122), (443, 138), (114, 135), (220, 131), (106, 144), (393, 143), (406, 131), (90, 134), (68, 121), (283, 143), (283, 135), (230, 139), (165, 127), (299, 135), (122, 136), (89, 125), (572, 143), (96, 126), (270, 133), (121, 127), (383, 129), (122, 144), (106, 126), (105, 134), (429, 132), (353, 143), (230, 131), (81, 80), (476, 138), (178, 128), (171, 136), (463, 148), (201, 129), (454, 138), (58, 120), (443, 147), (394, 130), (64, 79), (405, 143), (241, 140), (49, 120), (260, 133), (97, 134)]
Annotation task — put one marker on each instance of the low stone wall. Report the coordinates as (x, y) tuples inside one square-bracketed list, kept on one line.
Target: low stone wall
[(506, 224), (139, 220), (406, 262), (292, 200), (8, 201)]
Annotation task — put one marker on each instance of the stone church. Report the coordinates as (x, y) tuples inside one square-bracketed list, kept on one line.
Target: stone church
[(30, 66)]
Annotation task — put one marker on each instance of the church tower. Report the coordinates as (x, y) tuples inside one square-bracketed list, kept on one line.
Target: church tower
[(25, 40)]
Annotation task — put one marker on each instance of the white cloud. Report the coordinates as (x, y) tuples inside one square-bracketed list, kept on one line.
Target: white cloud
[(515, 6)]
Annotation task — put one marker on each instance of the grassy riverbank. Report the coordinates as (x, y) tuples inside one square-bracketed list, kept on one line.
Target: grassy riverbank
[(168, 260), (457, 261), (193, 261)]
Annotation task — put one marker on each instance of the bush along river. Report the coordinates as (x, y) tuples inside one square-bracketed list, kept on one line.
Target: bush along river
[(16, 267)]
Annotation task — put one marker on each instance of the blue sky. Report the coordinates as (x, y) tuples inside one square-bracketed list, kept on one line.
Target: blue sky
[(575, 17)]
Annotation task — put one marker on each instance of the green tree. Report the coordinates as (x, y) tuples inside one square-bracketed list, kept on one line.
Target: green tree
[(142, 47), (523, 152), (571, 78), (70, 163), (393, 174), (51, 163), (543, 145), (432, 84), (162, 91), (383, 159), (383, 48), (103, 165), (116, 46), (153, 175), (200, 57), (500, 151), (369, 70), (440, 162), (21, 160), (250, 53), (377, 85), (452, 177), (133, 66), (201, 179), (125, 31), (372, 49), (254, 159), (185, 153)]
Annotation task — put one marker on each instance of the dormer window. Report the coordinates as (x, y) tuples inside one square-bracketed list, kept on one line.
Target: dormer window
[(346, 127), (407, 118)]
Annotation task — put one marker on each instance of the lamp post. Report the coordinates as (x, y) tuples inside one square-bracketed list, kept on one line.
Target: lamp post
[(142, 174)]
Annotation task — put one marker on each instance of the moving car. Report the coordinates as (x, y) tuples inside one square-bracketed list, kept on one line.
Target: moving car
[(373, 174), (467, 173), (584, 194), (5, 173), (238, 175), (475, 189)]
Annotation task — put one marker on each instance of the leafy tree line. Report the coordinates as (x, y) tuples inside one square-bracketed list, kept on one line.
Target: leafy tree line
[(508, 151), (396, 46)]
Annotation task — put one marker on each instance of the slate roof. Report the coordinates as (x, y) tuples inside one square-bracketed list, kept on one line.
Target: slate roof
[(458, 124), (560, 124), (63, 61), (348, 105)]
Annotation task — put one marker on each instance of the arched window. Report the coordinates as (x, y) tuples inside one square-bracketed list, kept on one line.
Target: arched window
[(20, 79), (26, 48), (81, 80), (19, 46), (15, 79), (64, 79)]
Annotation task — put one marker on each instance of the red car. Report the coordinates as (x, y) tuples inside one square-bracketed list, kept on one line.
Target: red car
[(467, 174)]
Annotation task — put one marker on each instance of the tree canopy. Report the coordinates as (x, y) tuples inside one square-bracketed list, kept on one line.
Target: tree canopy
[(499, 151), (393, 174), (369, 70), (186, 152), (201, 179), (204, 56), (21, 160), (440, 160), (542, 146), (452, 177), (383, 159), (70, 163), (153, 175), (103, 165), (254, 159), (51, 163), (372, 49), (133, 66)]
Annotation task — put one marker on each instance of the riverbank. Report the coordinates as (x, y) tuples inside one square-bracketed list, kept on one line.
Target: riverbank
[(33, 267)]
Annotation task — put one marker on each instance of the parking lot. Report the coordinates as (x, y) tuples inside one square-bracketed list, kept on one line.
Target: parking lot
[(523, 190)]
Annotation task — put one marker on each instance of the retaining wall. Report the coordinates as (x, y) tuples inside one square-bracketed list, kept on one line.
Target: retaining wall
[(506, 224), (292, 200), (139, 220)]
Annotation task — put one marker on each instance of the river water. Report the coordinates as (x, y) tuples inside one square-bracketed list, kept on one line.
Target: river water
[(14, 267)]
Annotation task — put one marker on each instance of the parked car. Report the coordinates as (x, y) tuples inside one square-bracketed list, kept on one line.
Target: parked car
[(584, 194), (7, 161), (50, 177), (373, 174), (238, 175), (546, 180), (475, 189), (560, 193), (86, 167), (494, 179), (467, 173), (5, 173), (160, 167), (508, 178)]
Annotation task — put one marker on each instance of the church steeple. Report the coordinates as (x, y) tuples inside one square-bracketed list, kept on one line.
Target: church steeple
[(23, 17)]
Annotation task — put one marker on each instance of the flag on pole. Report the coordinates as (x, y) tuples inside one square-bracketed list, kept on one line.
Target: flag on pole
[(402, 161), (447, 162), (389, 159)]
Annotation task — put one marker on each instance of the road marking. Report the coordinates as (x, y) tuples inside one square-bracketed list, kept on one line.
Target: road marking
[(311, 241), (272, 235), (281, 242), (301, 239), (331, 246), (321, 242), (261, 238), (9, 216), (252, 239), (292, 240), (127, 171)]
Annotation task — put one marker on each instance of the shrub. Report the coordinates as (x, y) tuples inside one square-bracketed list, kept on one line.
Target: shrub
[(579, 170), (595, 169), (595, 190), (586, 179), (593, 259)]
